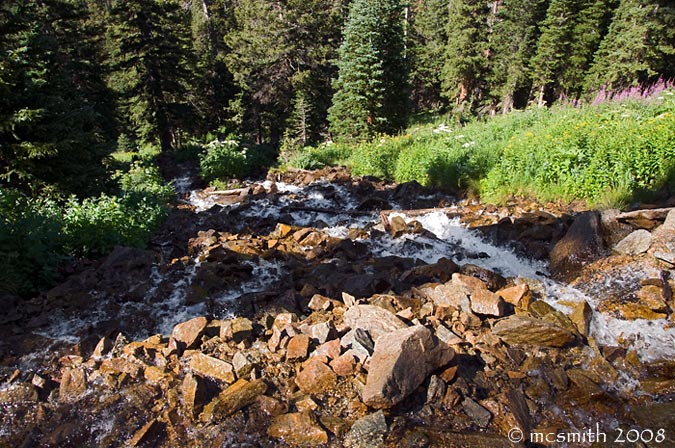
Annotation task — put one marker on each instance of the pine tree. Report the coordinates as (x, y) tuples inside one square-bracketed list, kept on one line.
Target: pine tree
[(428, 38), (55, 111), (148, 47), (639, 46), (466, 57), (371, 89), (512, 46)]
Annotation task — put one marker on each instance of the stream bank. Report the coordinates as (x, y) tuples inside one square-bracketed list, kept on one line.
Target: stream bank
[(255, 319)]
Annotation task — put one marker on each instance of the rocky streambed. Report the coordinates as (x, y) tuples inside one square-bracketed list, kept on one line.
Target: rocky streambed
[(316, 309)]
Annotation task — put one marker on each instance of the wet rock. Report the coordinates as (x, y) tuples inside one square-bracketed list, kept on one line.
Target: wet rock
[(367, 432), (483, 301), (243, 363), (651, 296), (210, 367), (298, 347), (270, 406), (194, 395), (237, 396), (102, 348), (149, 433), (300, 429), (373, 319), (400, 363), (241, 329), (581, 245), (440, 271), (18, 393), (397, 226), (636, 243), (490, 279), (119, 366), (315, 377), (189, 333), (581, 316), (530, 331), (478, 413), (657, 416), (73, 384), (436, 391), (336, 425), (543, 310), (587, 386), (613, 231)]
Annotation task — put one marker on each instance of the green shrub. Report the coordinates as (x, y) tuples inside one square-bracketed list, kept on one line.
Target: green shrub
[(223, 160), (147, 181), (189, 152)]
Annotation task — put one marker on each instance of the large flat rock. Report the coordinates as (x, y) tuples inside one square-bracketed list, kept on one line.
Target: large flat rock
[(530, 331)]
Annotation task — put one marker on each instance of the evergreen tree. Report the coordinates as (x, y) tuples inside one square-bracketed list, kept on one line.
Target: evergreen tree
[(280, 56), (639, 46), (428, 38), (148, 47), (512, 46), (466, 59), (55, 111), (371, 89)]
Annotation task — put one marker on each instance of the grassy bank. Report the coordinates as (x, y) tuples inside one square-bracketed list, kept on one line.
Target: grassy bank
[(605, 154)]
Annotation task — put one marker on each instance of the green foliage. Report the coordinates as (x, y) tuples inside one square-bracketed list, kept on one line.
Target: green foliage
[(223, 160), (145, 180), (312, 158), (371, 90), (587, 153)]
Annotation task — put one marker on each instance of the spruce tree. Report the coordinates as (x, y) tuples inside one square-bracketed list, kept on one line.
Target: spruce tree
[(638, 48), (55, 111), (466, 58), (428, 38), (512, 46), (148, 51), (371, 91)]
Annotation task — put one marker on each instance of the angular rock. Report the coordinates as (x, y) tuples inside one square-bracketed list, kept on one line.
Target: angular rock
[(194, 395), (243, 364), (298, 347), (149, 433), (514, 294), (208, 366), (330, 349), (344, 364), (188, 333), (530, 331), (400, 363), (321, 332), (73, 384), (636, 243), (367, 432), (490, 279), (18, 393), (237, 396), (478, 413), (359, 343), (446, 335), (581, 245), (483, 301), (581, 316), (299, 429), (241, 329), (316, 377), (373, 319)]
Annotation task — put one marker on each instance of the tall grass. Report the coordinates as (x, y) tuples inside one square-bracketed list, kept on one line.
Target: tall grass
[(604, 153)]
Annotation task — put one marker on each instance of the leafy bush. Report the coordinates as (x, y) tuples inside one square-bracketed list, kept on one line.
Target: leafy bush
[(223, 160), (145, 180)]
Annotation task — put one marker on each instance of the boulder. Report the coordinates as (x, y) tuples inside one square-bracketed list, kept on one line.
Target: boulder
[(373, 319), (483, 301), (298, 347), (530, 331), (636, 243), (400, 363), (581, 245)]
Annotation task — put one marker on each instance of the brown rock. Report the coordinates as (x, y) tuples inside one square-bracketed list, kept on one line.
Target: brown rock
[(117, 366), (241, 329), (375, 320), (490, 279), (236, 397), (400, 363), (330, 349), (300, 429), (581, 317), (73, 384), (18, 393), (316, 377), (298, 347), (636, 243), (149, 433), (531, 331), (270, 406), (210, 367), (188, 333), (581, 245), (514, 294), (652, 297), (345, 364), (194, 394), (483, 301)]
